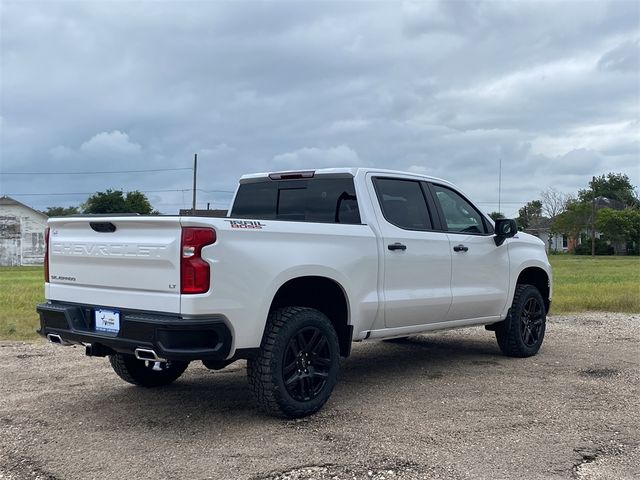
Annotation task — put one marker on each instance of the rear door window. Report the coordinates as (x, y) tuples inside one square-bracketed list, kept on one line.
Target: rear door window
[(403, 203), (324, 200)]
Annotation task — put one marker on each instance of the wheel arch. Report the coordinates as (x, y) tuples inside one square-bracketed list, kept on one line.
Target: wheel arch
[(539, 278), (323, 294)]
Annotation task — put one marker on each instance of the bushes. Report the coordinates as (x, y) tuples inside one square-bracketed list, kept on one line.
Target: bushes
[(602, 248)]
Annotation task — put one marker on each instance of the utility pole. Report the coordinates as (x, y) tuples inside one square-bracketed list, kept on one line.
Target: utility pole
[(499, 182), (195, 172), (593, 218)]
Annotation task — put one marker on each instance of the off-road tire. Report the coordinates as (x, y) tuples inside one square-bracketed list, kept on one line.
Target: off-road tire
[(141, 372), (522, 333), (266, 371)]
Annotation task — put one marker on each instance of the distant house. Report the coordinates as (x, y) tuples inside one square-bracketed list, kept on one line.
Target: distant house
[(553, 243), (21, 233), (541, 228)]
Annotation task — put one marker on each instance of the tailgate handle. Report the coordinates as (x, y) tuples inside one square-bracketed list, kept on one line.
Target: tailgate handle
[(102, 227)]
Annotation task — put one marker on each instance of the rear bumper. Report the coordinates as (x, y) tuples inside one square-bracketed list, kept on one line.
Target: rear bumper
[(170, 336)]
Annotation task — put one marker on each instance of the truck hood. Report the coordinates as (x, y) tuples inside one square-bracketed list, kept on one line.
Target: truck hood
[(528, 238)]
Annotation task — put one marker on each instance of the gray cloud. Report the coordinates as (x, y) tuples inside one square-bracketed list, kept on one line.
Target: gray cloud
[(625, 57), (446, 88)]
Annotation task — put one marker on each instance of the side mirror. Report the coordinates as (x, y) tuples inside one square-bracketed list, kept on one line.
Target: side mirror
[(505, 228)]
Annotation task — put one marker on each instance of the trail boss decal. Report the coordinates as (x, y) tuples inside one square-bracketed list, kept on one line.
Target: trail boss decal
[(249, 224)]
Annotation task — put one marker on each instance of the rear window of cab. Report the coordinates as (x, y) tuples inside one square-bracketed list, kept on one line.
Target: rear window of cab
[(320, 200)]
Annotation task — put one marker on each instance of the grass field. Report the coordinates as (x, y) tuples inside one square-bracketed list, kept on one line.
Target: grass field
[(20, 289), (580, 284)]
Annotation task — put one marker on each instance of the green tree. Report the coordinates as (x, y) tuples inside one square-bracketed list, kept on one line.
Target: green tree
[(573, 220), (61, 211), (619, 225), (115, 201), (529, 214), (110, 201), (138, 202), (496, 215), (614, 186)]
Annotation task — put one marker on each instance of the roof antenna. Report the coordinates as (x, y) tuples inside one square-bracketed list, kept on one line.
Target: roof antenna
[(195, 171), (499, 182)]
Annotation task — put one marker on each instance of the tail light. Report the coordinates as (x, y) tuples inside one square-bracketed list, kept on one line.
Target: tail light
[(195, 273), (46, 255)]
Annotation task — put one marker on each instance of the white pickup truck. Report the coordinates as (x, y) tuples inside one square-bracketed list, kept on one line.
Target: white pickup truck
[(305, 264)]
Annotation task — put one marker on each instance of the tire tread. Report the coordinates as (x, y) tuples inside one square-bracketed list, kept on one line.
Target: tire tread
[(260, 369), (127, 370), (508, 331)]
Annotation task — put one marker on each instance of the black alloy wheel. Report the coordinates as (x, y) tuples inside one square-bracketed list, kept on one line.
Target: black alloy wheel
[(296, 368), (306, 364), (531, 322), (522, 332)]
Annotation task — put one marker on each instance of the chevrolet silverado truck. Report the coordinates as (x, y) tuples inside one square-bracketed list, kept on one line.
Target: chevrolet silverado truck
[(304, 264)]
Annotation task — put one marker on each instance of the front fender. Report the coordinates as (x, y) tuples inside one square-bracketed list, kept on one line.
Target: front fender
[(523, 255)]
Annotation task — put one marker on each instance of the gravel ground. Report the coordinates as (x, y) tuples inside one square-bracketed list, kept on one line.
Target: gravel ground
[(443, 405)]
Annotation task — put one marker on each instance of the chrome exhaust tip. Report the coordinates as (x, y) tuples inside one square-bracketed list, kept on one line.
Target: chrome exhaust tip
[(148, 354), (53, 338)]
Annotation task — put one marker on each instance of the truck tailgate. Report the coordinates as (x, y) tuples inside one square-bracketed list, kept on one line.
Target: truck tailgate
[(128, 262)]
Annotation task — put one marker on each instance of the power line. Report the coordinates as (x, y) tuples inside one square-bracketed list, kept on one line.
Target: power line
[(216, 191), (503, 203), (99, 173), (39, 194), (81, 193)]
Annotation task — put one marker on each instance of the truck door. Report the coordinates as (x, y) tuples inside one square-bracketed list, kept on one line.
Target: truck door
[(417, 259), (480, 269)]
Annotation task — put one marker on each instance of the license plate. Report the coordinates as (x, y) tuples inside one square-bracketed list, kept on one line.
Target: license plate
[(107, 321)]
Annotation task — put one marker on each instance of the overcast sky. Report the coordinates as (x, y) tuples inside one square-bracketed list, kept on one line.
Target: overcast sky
[(447, 89)]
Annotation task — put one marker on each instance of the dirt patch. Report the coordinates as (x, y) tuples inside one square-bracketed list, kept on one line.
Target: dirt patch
[(21, 468), (614, 460), (443, 405), (599, 372), (390, 470)]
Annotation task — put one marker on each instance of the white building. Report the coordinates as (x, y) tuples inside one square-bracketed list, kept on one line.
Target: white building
[(554, 242), (21, 233)]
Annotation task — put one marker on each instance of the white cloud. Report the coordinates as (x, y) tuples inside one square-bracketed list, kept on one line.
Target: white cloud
[(422, 170), (307, 157), (115, 142)]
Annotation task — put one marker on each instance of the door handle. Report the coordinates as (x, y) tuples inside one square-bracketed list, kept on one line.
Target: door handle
[(397, 246), (460, 248)]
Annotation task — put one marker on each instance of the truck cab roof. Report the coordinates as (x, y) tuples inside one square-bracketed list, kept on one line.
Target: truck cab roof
[(337, 171)]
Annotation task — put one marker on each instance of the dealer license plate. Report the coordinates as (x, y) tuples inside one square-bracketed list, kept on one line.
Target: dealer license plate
[(107, 321)]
